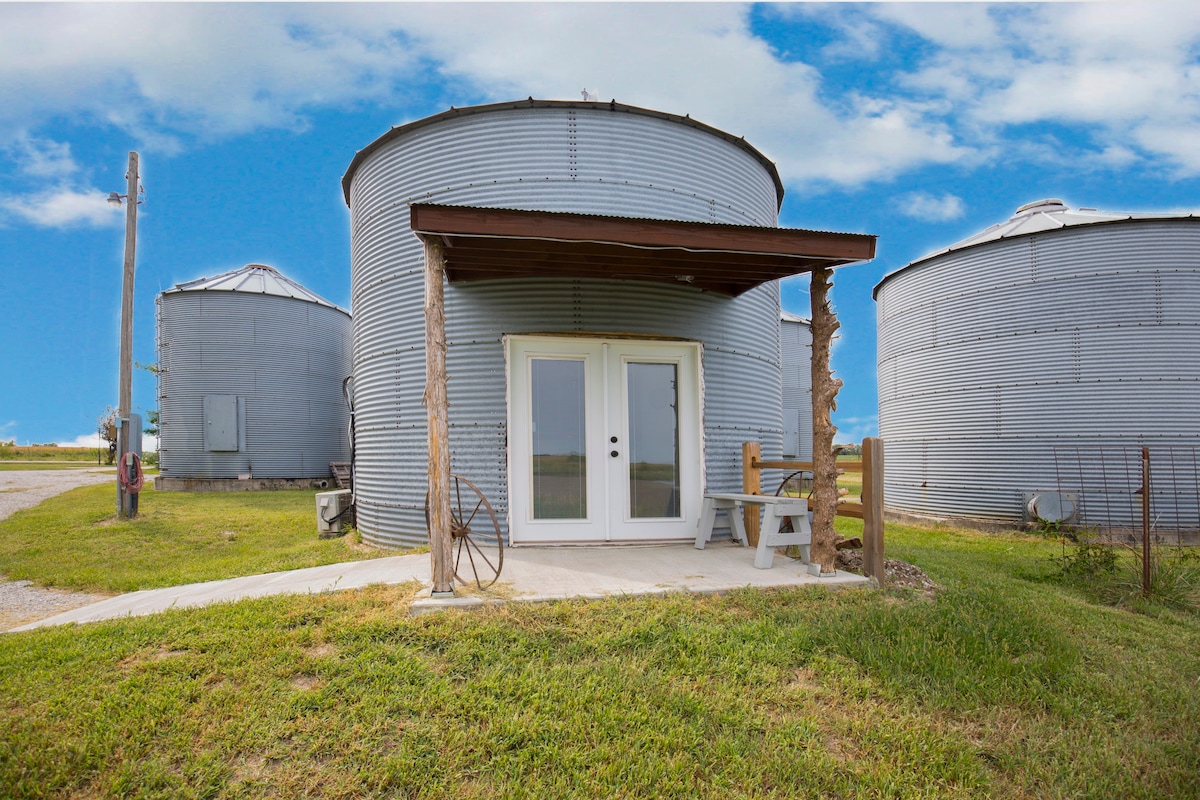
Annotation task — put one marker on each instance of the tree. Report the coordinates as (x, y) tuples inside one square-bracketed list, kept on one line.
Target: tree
[(107, 428), (825, 389), (151, 428)]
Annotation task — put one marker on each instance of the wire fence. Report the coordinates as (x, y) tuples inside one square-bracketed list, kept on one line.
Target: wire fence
[(1105, 485)]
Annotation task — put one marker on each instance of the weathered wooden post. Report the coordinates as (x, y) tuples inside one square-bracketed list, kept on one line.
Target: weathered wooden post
[(125, 389), (1146, 572), (824, 401), (872, 501), (751, 484), (437, 415)]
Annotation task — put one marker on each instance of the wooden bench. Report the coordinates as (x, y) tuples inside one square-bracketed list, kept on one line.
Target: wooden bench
[(775, 511)]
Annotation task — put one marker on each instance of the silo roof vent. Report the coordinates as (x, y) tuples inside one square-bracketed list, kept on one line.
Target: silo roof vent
[(253, 279), (1050, 204)]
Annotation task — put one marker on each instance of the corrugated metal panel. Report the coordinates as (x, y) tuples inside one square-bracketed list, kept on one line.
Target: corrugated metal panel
[(796, 357), (993, 356), (550, 159), (284, 358)]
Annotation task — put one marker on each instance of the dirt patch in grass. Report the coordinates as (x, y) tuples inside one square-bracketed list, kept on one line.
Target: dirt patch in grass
[(323, 650), (899, 574), (305, 682)]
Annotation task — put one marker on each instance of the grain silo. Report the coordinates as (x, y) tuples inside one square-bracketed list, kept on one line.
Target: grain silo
[(251, 366), (1030, 364), (611, 315)]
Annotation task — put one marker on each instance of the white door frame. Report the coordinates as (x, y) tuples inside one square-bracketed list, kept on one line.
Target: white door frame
[(604, 363)]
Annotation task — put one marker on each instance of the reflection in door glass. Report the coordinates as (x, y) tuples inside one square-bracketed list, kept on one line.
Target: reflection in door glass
[(653, 441), (559, 449)]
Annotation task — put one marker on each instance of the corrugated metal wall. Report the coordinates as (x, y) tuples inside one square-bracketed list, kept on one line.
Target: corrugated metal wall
[(285, 359), (991, 357), (586, 160), (796, 351)]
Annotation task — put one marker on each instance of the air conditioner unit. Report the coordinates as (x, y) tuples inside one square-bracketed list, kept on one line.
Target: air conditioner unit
[(333, 511)]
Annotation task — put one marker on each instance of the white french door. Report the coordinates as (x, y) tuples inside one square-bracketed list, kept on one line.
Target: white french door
[(604, 440)]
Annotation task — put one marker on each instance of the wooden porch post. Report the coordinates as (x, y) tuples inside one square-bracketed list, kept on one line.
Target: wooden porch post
[(824, 401), (437, 415), (872, 501), (751, 484)]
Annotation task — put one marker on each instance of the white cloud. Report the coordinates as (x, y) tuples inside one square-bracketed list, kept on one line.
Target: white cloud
[(149, 443), (62, 207), (1122, 76), (852, 430), (701, 60), (67, 201), (950, 25), (925, 206), (42, 158), (214, 70), (86, 440), (206, 68)]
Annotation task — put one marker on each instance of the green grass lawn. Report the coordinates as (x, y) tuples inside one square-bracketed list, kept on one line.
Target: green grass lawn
[(1007, 685), (75, 540)]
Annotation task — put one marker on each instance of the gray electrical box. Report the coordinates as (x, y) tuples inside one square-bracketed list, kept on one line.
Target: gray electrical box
[(134, 443), (221, 422)]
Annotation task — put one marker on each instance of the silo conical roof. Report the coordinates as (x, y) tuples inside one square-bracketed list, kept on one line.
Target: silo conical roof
[(253, 279), (1036, 217), (1048, 215)]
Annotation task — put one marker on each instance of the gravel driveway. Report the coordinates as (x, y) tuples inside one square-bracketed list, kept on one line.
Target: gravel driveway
[(26, 488), (20, 601)]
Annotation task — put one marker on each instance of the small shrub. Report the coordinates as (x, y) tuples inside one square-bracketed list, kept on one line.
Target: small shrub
[(1174, 580), (1087, 559)]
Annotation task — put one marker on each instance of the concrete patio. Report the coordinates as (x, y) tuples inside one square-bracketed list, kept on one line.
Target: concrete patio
[(530, 574)]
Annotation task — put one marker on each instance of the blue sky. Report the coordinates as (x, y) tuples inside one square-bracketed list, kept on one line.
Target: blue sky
[(921, 123)]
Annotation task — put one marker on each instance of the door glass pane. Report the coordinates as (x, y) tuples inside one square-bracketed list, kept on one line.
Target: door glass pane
[(559, 449), (653, 441)]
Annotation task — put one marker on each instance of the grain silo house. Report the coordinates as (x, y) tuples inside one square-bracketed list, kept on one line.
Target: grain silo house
[(250, 383), (1022, 370), (611, 316)]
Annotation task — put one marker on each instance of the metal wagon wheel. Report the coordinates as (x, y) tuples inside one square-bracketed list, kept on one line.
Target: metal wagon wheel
[(475, 533), (783, 490)]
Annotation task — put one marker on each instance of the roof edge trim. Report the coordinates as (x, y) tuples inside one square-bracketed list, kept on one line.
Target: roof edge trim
[(1123, 219), (613, 106)]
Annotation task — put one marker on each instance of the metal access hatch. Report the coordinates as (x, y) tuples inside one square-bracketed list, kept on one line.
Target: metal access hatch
[(221, 422)]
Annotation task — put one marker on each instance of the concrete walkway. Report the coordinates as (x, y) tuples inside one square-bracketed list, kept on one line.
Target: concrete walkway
[(529, 574)]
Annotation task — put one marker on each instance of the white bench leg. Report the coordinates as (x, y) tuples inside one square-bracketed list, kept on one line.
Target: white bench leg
[(801, 525), (765, 554), (737, 523), (769, 538), (708, 517)]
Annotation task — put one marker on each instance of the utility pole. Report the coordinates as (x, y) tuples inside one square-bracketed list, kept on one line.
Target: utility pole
[(124, 404)]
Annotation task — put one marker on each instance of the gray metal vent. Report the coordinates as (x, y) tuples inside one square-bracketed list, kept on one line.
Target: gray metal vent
[(1051, 506)]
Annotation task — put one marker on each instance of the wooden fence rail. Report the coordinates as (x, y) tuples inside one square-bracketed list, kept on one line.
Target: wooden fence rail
[(869, 510)]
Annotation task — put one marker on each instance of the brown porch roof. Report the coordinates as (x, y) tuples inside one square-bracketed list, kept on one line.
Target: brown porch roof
[(488, 243)]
